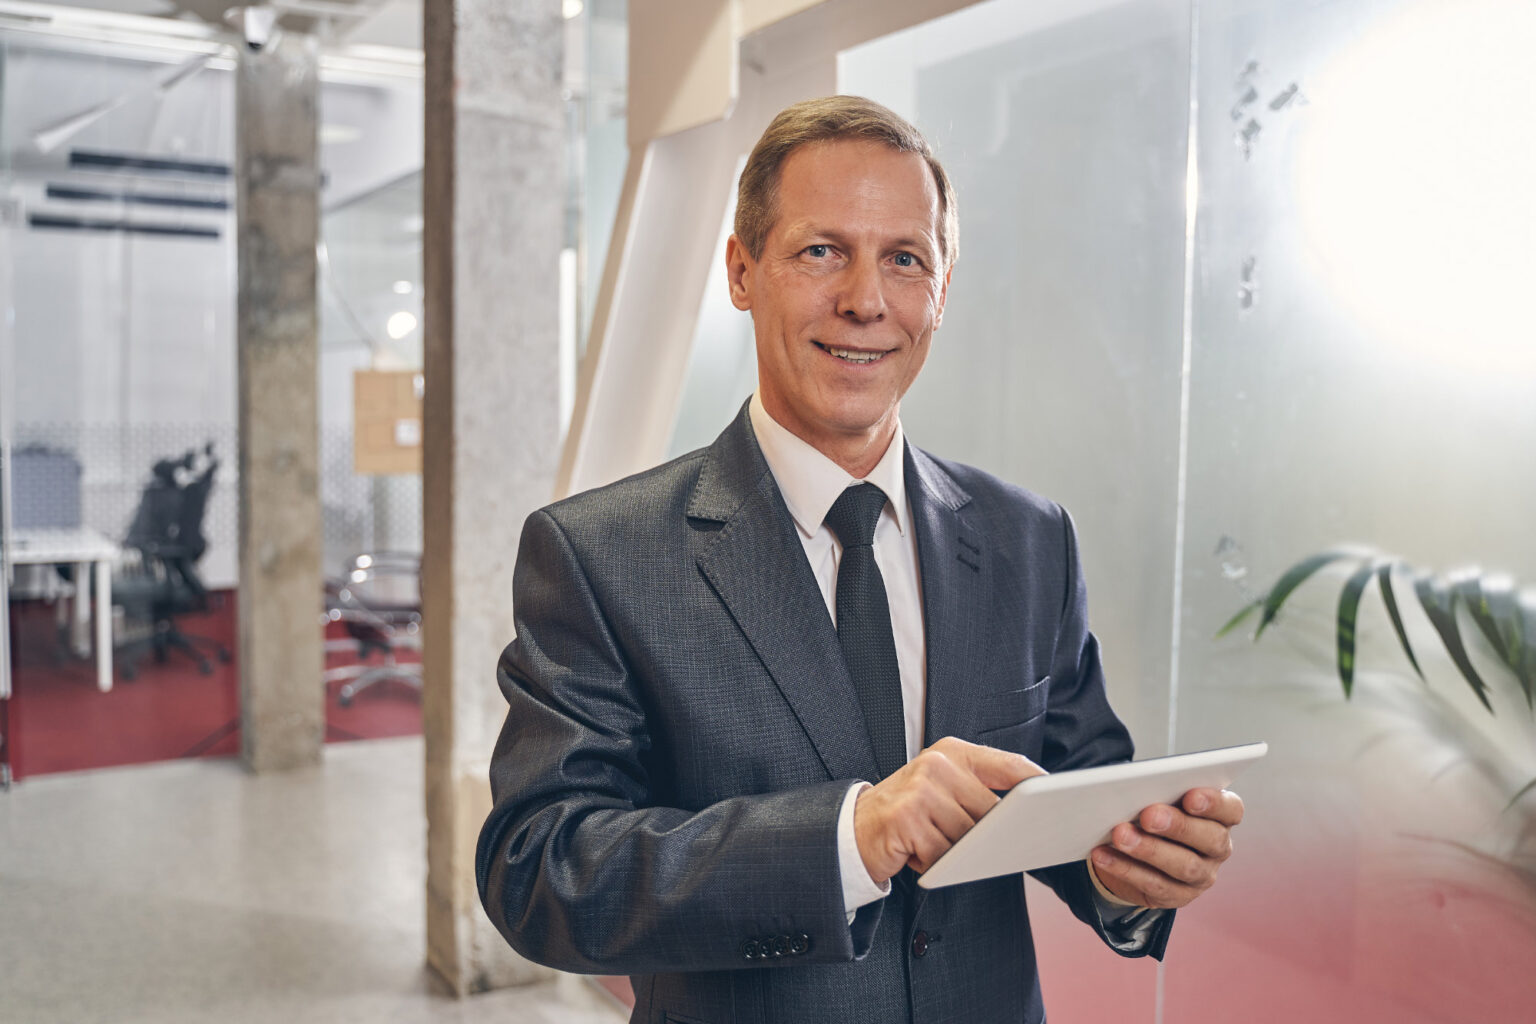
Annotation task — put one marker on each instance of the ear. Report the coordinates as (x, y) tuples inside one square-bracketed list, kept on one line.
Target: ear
[(938, 317), (738, 271)]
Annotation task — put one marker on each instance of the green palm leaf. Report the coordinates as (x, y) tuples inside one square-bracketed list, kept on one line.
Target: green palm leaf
[(1527, 618), (1294, 577), (1469, 588), (1504, 610), (1439, 603), (1349, 612), (1237, 620), (1384, 578), (1520, 793)]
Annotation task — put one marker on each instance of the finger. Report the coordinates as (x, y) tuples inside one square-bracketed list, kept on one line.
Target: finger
[(939, 780), (1216, 804), (953, 819), (1134, 880), (994, 768), (1176, 861), (972, 794), (928, 845), (1209, 838)]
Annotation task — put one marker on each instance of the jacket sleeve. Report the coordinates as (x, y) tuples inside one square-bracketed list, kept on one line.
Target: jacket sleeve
[(579, 864), (1081, 731)]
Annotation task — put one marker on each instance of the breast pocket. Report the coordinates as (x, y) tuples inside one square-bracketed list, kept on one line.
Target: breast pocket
[(1013, 719)]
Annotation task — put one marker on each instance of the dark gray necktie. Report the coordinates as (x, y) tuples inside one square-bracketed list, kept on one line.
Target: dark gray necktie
[(864, 624)]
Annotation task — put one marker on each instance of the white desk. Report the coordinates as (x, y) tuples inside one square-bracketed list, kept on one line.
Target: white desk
[(83, 548)]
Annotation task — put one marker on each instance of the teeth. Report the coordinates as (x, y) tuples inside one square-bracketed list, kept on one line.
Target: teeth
[(849, 355)]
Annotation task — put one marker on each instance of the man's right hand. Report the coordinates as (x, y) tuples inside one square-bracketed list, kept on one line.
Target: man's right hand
[(918, 812)]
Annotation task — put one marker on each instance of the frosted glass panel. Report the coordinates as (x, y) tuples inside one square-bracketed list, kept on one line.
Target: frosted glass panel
[(1363, 372), (1360, 370)]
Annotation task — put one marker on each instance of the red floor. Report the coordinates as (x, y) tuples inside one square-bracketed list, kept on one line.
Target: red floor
[(58, 721)]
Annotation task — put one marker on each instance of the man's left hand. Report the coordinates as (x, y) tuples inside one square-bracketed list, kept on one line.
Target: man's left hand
[(1170, 855)]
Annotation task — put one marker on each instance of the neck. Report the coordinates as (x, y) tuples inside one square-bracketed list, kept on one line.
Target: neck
[(857, 453)]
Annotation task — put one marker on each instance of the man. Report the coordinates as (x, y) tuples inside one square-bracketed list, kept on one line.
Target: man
[(755, 689)]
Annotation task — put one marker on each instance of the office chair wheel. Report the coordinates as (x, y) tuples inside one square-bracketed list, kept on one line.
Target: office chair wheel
[(224, 656), (205, 667), (344, 696)]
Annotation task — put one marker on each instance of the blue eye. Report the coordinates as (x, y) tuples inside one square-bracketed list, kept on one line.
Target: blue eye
[(816, 251), (906, 259)]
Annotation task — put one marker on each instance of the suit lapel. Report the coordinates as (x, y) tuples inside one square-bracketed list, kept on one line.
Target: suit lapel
[(757, 566), (954, 572)]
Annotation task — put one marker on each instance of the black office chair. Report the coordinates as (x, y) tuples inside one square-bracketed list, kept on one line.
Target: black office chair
[(379, 604), (158, 578)]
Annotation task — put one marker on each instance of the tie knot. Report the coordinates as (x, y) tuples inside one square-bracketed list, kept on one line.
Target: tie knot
[(854, 514)]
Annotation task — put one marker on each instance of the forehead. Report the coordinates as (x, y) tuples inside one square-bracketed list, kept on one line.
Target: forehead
[(857, 183)]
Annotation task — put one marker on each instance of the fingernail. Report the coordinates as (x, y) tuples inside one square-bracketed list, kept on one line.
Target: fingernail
[(1158, 820), (1101, 858), (1200, 802), (1128, 840)]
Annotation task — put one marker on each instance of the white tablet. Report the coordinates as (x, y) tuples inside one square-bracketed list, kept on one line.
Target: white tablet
[(1053, 819)]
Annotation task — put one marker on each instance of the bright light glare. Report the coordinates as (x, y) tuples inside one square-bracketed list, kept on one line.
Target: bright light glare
[(1415, 181), (403, 287), (571, 8), (400, 324)]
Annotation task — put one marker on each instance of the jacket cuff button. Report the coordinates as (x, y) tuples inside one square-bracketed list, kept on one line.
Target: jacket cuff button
[(750, 950), (800, 944), (920, 944)]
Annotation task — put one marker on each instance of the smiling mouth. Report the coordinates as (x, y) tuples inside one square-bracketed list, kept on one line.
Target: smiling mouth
[(849, 355)]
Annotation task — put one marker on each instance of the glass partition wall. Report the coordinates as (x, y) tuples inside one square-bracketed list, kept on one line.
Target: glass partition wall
[(1362, 378), (119, 380), (1243, 282), (119, 389)]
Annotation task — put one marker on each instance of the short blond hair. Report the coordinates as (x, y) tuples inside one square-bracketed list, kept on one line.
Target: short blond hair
[(830, 119)]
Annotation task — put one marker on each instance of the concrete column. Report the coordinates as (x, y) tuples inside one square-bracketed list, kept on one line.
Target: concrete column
[(282, 709), (493, 202)]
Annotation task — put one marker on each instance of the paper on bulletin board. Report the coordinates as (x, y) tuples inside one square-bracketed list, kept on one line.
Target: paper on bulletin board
[(386, 421)]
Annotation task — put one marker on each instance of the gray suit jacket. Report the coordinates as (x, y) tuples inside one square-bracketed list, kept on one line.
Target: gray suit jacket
[(682, 731)]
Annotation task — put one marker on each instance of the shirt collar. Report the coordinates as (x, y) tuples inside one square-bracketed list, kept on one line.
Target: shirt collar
[(811, 482)]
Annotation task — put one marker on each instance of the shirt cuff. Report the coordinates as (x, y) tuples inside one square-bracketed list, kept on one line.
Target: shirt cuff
[(858, 888), (1128, 926)]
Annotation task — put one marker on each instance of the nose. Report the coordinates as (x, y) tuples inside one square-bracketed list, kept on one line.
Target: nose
[(862, 298)]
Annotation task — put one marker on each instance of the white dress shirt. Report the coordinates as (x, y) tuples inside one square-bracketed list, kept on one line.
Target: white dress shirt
[(810, 483)]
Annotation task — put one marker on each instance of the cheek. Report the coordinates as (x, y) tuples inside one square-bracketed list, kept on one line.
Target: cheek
[(920, 311)]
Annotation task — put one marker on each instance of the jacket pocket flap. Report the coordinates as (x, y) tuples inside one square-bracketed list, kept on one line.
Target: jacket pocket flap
[(1011, 707)]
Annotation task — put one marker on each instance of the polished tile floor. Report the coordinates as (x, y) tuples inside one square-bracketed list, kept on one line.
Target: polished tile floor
[(191, 891)]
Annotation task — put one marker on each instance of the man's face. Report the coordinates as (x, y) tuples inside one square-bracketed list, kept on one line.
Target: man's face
[(846, 295)]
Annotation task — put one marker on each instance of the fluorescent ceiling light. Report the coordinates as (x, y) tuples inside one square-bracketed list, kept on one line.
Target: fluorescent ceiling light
[(400, 324)]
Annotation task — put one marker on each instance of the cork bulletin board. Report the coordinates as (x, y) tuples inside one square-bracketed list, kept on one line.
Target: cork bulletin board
[(386, 425)]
